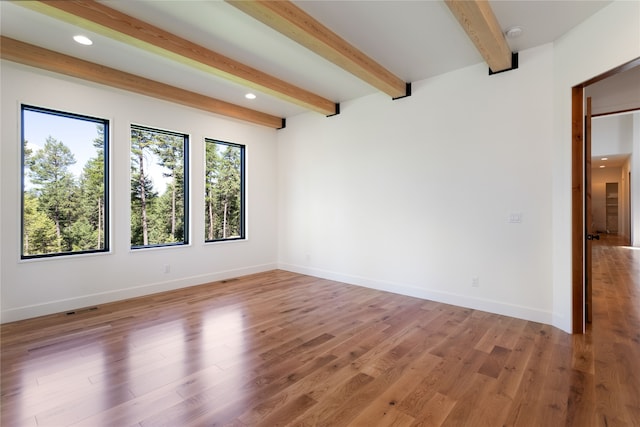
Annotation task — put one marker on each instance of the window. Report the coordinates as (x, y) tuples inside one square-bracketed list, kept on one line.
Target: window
[(224, 191), (64, 183), (159, 196)]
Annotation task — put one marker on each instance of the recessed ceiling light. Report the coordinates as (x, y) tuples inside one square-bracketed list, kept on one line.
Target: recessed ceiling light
[(513, 32), (250, 96), (602, 166), (604, 158), (83, 40)]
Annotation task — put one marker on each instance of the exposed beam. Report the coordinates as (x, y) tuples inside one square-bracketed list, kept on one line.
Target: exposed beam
[(482, 27), (34, 56), (101, 19), (295, 23)]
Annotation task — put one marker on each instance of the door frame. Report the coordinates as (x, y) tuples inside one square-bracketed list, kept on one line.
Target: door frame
[(578, 230)]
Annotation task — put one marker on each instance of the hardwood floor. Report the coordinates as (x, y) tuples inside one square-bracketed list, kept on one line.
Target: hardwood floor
[(279, 349)]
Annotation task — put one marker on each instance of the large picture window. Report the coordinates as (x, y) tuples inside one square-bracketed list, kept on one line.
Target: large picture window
[(224, 191), (64, 183), (159, 196)]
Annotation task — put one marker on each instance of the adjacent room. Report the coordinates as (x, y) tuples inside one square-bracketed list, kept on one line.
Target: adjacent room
[(365, 213)]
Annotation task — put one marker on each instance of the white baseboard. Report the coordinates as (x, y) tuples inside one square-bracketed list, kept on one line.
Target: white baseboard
[(497, 307), (491, 306), (52, 307), (562, 322)]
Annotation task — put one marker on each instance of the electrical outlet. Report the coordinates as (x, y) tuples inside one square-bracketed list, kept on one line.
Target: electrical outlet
[(475, 281)]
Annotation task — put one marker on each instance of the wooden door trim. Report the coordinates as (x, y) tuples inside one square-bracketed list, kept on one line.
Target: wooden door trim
[(588, 216), (577, 209)]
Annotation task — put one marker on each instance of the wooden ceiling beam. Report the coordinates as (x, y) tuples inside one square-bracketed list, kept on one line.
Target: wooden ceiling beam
[(34, 56), (97, 17), (288, 19), (481, 25)]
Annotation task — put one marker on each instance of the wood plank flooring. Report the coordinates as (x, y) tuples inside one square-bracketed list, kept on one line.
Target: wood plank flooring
[(278, 348)]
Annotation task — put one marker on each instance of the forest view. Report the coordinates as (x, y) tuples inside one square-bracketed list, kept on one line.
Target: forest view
[(223, 191), (158, 209), (63, 211), (65, 186)]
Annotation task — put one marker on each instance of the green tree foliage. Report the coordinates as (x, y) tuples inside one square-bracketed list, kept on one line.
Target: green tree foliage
[(39, 230), (91, 226), (223, 191), (62, 214), (55, 187), (210, 197), (142, 193), (170, 151), (157, 219)]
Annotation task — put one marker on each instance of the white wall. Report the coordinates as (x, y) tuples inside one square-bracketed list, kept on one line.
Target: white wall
[(413, 196), (612, 135), (36, 287)]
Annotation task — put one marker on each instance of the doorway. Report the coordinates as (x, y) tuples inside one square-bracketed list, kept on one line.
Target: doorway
[(580, 182)]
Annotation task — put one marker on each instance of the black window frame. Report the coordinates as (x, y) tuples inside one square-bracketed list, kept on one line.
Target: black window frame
[(107, 195), (187, 231), (243, 224)]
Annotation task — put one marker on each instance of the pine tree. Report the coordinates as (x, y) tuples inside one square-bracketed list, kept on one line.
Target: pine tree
[(211, 182), (170, 152), (141, 186), (92, 188), (55, 187), (229, 192)]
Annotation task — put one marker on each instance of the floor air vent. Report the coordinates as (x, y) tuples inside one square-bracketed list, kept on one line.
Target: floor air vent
[(82, 310)]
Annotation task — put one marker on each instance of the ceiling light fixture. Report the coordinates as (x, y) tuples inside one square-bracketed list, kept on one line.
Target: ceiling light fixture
[(84, 40), (604, 158), (513, 32), (250, 96)]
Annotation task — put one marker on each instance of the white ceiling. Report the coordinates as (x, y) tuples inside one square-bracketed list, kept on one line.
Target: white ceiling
[(612, 161), (413, 39)]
